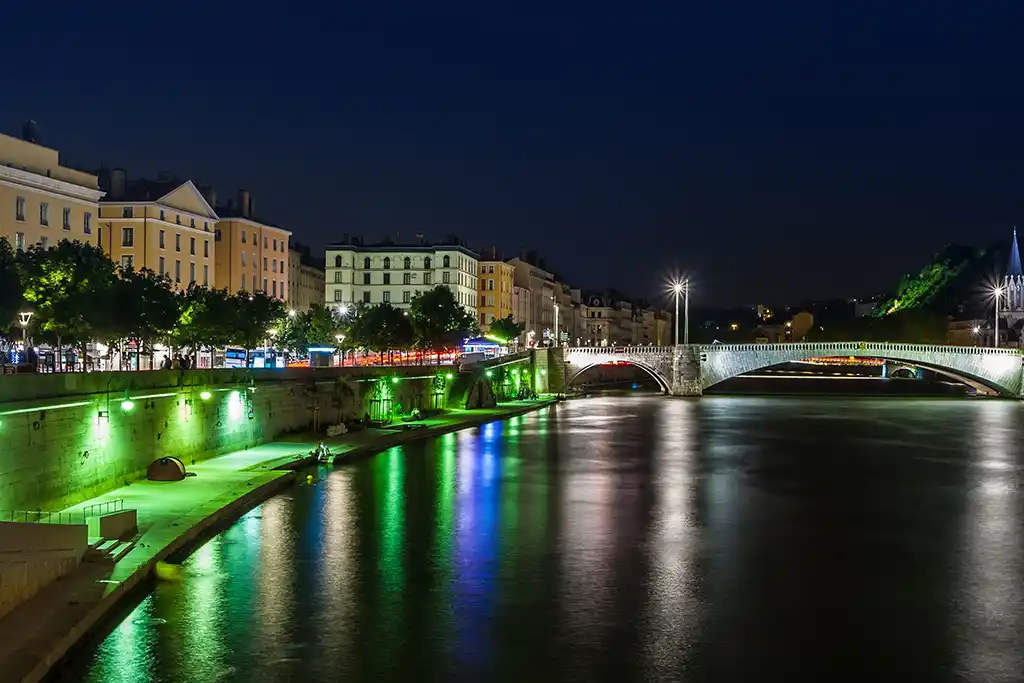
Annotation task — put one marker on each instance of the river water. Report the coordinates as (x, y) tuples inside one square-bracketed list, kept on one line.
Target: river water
[(622, 539)]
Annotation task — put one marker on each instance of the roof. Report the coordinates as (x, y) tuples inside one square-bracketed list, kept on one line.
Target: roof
[(407, 248)]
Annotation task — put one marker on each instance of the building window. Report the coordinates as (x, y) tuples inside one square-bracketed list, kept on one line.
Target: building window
[(274, 286), (127, 212), (490, 269), (337, 277), (192, 223), (206, 248), (338, 294), (216, 235), (127, 262), (19, 241), (253, 284), (366, 278), (273, 264), (44, 214), (387, 262), (483, 269), (366, 297), (264, 263), (483, 318), (192, 245), (387, 278), (366, 262), (243, 237), (177, 242), (446, 262), (67, 219), (19, 209), (177, 271), (127, 237), (407, 263), (87, 222), (99, 236), (162, 267), (243, 263), (264, 241), (387, 297), (206, 226), (44, 242), (482, 299), (192, 273), (426, 263), (406, 297), (337, 261), (490, 300), (446, 277), (407, 278), (428, 278), (264, 285), (206, 275), (490, 285), (275, 244), (177, 219)]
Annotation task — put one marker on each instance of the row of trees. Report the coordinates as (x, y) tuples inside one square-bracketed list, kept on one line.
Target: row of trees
[(78, 295)]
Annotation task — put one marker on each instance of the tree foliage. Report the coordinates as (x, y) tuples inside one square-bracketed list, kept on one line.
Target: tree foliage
[(439, 321), (507, 328), (381, 327), (11, 299)]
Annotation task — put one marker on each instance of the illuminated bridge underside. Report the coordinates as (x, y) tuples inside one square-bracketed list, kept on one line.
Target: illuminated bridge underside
[(689, 370)]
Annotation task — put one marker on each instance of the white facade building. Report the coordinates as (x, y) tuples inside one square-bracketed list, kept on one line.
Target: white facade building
[(395, 274)]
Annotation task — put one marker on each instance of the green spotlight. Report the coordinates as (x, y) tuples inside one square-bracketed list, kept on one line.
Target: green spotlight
[(488, 373), (127, 405), (394, 380), (205, 395), (449, 376)]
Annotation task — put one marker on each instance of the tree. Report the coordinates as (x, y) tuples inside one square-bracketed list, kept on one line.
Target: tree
[(252, 316), (506, 328), (439, 321), (322, 325), (145, 309), (206, 318), (380, 328), (70, 286), (11, 298)]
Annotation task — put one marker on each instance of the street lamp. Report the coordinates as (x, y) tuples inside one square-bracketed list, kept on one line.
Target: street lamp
[(23, 318), (341, 352), (677, 288), (998, 291), (557, 335)]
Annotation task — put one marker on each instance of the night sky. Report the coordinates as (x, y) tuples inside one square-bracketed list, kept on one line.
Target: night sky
[(777, 151)]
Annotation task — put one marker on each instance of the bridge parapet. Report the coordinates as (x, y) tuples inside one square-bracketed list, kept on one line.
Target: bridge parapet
[(689, 370)]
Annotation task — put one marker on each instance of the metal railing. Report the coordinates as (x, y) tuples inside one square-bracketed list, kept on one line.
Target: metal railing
[(63, 517)]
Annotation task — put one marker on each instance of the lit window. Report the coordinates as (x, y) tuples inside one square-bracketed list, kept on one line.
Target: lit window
[(387, 297)]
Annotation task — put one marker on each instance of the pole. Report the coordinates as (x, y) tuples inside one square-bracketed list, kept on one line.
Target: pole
[(996, 342), (676, 338), (686, 313)]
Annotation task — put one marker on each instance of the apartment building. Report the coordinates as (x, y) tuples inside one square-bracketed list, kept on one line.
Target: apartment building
[(165, 225), (495, 284), (305, 279), (252, 254), (394, 274), (42, 201)]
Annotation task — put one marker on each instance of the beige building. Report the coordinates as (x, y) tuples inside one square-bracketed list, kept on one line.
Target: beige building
[(305, 279), (164, 225), (252, 255), (41, 201)]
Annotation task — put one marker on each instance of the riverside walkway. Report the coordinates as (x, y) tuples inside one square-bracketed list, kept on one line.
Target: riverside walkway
[(172, 518)]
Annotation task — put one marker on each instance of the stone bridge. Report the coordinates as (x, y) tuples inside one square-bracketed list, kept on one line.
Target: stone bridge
[(687, 370)]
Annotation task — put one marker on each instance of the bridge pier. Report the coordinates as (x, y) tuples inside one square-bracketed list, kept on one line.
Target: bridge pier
[(686, 371)]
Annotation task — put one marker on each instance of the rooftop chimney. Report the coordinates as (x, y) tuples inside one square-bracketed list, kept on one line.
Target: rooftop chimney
[(118, 182), (244, 203), (30, 132)]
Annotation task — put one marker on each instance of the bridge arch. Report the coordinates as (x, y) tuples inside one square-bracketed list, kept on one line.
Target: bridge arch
[(996, 370), (577, 364)]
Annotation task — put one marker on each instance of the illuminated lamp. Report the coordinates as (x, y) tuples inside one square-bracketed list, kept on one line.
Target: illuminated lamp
[(205, 395), (449, 376)]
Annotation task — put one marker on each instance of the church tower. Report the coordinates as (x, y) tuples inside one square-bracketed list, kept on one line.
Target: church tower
[(1013, 284)]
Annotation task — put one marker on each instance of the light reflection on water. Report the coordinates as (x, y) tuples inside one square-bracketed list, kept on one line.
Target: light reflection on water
[(624, 539)]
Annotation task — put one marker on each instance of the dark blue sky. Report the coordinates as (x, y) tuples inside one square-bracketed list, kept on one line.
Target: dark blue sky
[(777, 151)]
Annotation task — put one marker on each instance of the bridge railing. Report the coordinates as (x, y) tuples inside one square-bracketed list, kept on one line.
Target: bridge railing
[(808, 346)]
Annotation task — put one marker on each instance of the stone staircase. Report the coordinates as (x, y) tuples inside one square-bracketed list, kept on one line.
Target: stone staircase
[(109, 549)]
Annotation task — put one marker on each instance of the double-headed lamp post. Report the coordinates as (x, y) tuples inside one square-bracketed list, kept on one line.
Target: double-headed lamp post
[(682, 287), (23, 319), (998, 291)]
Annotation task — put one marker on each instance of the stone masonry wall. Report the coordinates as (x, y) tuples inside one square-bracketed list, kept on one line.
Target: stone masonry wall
[(58, 452)]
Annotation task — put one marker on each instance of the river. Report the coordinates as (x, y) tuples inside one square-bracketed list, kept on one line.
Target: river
[(634, 538)]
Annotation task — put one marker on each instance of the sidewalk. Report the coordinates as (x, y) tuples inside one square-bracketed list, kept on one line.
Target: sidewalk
[(172, 516)]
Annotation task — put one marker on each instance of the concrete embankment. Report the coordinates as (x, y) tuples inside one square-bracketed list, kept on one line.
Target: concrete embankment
[(173, 518)]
